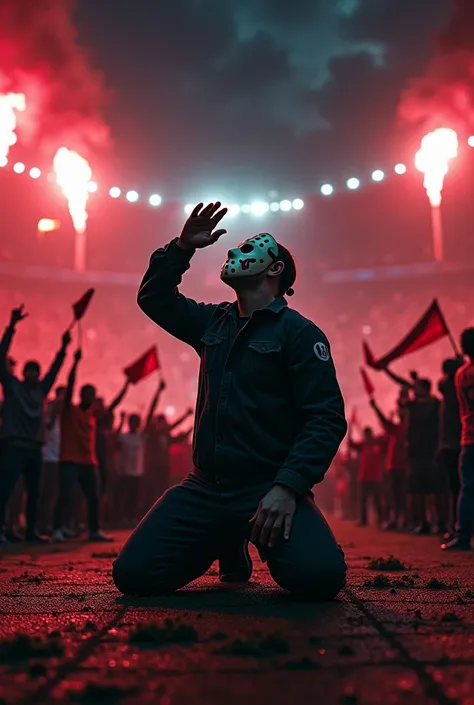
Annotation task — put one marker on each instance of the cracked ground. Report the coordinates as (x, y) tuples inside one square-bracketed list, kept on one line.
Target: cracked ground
[(401, 632)]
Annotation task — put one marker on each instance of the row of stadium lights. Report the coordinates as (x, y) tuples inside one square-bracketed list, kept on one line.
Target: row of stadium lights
[(257, 208)]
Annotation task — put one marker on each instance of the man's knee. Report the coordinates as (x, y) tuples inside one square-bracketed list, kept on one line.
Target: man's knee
[(316, 579), (142, 579)]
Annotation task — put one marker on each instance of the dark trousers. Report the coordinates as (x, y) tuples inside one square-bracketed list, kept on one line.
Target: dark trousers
[(72, 475), (370, 491), (14, 462), (184, 532), (48, 494), (449, 461), (129, 490), (398, 497), (466, 496)]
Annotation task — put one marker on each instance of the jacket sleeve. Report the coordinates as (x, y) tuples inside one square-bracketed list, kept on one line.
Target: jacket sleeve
[(159, 298), (320, 406)]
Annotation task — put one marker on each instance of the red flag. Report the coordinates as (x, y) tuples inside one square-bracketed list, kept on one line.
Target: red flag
[(430, 328), (82, 304), (354, 417), (368, 354), (367, 382), (144, 366)]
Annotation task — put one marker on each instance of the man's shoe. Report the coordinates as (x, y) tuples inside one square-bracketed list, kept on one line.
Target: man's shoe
[(456, 545), (35, 537), (100, 537), (235, 566), (422, 530), (58, 536)]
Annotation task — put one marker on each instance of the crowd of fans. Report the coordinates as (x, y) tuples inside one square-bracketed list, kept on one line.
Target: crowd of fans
[(372, 471), (415, 470), (62, 451)]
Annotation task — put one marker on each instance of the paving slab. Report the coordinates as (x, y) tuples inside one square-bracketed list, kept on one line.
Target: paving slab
[(394, 636)]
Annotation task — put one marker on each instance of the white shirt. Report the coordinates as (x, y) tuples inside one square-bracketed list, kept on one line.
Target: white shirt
[(52, 442), (131, 452)]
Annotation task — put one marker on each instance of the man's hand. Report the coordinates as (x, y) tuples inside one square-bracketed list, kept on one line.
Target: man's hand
[(66, 339), (275, 512), (199, 229), (18, 314), (78, 355)]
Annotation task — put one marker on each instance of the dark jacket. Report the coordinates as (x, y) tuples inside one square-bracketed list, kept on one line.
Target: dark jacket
[(268, 408), (23, 406)]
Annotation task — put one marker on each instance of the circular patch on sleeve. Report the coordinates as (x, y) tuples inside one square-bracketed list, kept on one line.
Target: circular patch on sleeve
[(321, 351)]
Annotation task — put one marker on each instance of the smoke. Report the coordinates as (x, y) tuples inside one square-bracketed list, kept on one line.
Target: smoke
[(444, 96), (40, 57)]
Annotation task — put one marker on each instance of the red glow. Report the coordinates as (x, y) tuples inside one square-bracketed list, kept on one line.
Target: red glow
[(73, 174), (10, 104), (437, 149)]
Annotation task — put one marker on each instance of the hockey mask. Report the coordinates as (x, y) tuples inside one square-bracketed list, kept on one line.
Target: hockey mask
[(251, 257)]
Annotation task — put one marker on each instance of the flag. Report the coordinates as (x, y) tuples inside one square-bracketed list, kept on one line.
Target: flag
[(369, 357), (81, 305), (367, 382), (144, 366), (354, 417), (431, 327)]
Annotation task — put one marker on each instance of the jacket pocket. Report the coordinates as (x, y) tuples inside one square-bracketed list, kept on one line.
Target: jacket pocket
[(262, 366), (211, 351)]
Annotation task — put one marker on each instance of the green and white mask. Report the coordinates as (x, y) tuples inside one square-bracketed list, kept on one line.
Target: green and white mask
[(251, 257)]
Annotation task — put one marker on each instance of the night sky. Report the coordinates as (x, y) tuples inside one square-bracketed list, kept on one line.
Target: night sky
[(245, 97), (210, 97)]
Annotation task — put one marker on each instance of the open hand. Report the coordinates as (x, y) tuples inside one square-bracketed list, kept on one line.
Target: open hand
[(274, 514), (199, 229), (18, 314)]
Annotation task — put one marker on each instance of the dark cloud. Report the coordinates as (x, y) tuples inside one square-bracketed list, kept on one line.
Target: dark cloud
[(245, 97)]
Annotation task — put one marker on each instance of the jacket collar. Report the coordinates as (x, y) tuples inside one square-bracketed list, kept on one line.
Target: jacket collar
[(275, 306)]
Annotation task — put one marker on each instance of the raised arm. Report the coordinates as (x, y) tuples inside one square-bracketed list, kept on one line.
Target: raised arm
[(71, 380), (118, 399), (180, 420), (154, 404), (318, 399), (398, 379), (17, 315), (159, 296), (386, 424), (50, 377)]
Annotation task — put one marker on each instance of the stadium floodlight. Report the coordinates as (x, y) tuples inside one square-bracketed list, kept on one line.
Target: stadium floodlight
[(400, 169), (34, 172), (285, 205), (259, 208), (115, 192), (298, 204), (327, 189), (274, 207), (352, 183), (188, 208), (92, 187), (155, 200), (378, 175), (131, 196), (19, 168)]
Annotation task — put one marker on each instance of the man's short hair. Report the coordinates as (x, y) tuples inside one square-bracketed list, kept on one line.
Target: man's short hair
[(288, 276)]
